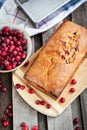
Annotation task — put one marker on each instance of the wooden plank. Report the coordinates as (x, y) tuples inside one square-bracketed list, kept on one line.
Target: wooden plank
[(64, 121), (79, 107), (5, 98), (22, 111)]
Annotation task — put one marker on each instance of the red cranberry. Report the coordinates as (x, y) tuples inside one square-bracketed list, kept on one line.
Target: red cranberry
[(9, 107), (6, 29), (4, 53), (23, 56), (17, 86), (4, 89), (20, 35), (15, 52), (35, 128), (31, 91), (7, 41), (6, 111), (66, 52), (25, 127), (22, 87), (13, 65), (63, 57), (9, 67), (6, 123), (6, 63), (18, 58), (26, 63), (15, 31), (10, 114), (77, 128), (62, 100), (73, 81), (76, 120), (24, 41), (48, 106), (37, 102), (4, 118), (72, 90), (23, 124), (42, 102)]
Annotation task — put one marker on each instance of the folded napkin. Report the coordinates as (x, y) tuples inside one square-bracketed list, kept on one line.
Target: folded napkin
[(9, 13)]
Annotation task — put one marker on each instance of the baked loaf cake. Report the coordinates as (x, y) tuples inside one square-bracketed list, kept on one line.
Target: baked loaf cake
[(59, 59)]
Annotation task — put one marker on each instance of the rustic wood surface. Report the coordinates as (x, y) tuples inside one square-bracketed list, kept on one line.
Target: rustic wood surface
[(23, 112)]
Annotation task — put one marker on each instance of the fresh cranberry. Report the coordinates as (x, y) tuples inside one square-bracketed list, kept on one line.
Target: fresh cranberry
[(9, 107), (27, 63), (23, 124), (4, 118), (22, 87), (6, 29), (20, 35), (18, 58), (48, 106), (7, 41), (6, 63), (76, 120), (6, 49), (23, 56), (66, 52), (4, 89), (31, 90), (77, 128), (62, 100), (9, 67), (35, 128), (18, 43), (15, 31), (24, 41), (10, 114), (15, 52), (72, 90), (37, 102), (4, 53), (42, 102), (73, 81), (13, 65), (10, 37), (63, 57), (6, 111), (6, 123), (17, 86), (25, 127)]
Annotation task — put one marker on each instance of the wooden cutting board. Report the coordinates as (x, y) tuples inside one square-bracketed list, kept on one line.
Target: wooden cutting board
[(57, 107)]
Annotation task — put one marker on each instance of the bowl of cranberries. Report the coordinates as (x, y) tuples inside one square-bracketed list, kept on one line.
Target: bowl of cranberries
[(15, 47)]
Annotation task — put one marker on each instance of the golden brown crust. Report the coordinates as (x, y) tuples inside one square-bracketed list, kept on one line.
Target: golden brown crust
[(59, 59)]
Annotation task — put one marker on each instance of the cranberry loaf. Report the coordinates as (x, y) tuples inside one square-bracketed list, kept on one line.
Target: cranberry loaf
[(59, 59)]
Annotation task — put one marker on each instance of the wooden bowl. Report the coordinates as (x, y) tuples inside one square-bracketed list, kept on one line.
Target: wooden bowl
[(29, 45)]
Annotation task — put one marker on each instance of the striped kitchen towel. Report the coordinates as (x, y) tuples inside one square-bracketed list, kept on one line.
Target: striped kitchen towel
[(9, 13)]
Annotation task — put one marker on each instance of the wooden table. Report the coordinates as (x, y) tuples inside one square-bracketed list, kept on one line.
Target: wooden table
[(23, 112)]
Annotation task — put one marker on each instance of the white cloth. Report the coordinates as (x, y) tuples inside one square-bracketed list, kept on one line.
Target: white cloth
[(9, 13)]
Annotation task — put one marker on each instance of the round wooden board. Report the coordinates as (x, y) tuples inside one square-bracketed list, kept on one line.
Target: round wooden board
[(57, 107)]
